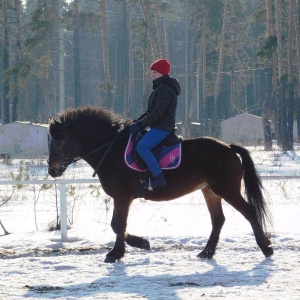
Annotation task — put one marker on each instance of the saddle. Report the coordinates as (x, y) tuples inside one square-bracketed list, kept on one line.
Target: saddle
[(167, 153)]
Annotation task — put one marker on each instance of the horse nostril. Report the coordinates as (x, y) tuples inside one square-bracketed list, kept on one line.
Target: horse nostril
[(53, 172), (56, 172)]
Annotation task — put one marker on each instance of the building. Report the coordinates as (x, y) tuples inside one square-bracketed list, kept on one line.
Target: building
[(245, 128), (24, 140)]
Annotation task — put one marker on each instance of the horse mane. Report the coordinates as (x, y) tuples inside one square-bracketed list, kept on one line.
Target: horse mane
[(97, 121)]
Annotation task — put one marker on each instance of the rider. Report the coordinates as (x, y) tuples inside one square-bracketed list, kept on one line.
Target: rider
[(159, 117)]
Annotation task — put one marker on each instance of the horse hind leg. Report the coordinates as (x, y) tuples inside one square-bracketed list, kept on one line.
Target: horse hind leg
[(261, 239), (241, 205), (214, 206)]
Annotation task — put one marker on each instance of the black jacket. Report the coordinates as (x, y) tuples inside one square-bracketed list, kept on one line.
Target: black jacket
[(162, 104)]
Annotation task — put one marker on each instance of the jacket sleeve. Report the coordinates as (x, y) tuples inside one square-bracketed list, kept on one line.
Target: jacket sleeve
[(141, 116), (162, 102)]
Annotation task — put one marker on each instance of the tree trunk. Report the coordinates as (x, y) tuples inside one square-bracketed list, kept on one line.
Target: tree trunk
[(297, 36), (204, 79), (142, 107), (266, 106), (107, 82), (290, 107), (194, 107), (145, 8), (197, 106), (5, 64), (18, 5), (232, 100), (218, 78), (77, 81), (131, 67), (186, 78), (125, 61), (159, 32), (281, 79), (62, 104), (193, 113)]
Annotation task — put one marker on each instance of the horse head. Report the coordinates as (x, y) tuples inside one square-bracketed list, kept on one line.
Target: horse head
[(63, 148)]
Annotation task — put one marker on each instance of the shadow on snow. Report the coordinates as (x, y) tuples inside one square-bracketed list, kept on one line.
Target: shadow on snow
[(149, 287)]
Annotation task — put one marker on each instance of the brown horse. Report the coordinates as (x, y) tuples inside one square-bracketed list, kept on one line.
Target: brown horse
[(96, 134)]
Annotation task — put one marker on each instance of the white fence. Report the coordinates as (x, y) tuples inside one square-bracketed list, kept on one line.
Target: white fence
[(63, 196), (63, 193)]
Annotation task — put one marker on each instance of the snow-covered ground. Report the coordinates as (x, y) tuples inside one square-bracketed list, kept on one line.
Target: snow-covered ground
[(34, 264)]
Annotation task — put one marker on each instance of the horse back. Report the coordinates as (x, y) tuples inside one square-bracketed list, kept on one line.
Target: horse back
[(208, 150)]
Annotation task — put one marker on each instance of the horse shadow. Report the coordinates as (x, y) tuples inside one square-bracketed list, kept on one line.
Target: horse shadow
[(118, 281)]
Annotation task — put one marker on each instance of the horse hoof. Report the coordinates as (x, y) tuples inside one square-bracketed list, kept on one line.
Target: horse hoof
[(146, 245), (269, 252), (109, 259), (206, 254)]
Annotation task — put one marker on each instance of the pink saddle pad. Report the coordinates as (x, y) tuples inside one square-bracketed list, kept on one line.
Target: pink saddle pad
[(169, 157)]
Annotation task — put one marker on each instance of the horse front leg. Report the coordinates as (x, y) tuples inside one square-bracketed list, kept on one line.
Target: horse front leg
[(118, 250), (119, 224), (137, 241)]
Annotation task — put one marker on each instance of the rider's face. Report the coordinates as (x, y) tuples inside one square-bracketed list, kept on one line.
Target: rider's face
[(155, 74)]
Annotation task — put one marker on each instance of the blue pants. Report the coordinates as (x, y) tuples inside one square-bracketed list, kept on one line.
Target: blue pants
[(152, 138)]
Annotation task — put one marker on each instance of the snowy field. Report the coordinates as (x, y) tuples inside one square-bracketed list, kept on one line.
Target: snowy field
[(35, 264)]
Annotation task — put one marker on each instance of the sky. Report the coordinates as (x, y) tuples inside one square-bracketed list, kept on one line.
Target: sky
[(35, 264)]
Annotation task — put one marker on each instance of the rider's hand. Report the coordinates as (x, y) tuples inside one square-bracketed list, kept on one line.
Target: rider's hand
[(135, 128)]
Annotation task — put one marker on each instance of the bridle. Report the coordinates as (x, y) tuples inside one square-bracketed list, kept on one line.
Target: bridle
[(67, 160)]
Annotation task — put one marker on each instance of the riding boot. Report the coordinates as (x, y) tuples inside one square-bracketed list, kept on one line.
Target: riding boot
[(157, 181)]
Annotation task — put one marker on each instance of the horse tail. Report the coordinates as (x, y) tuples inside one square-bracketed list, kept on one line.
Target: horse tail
[(253, 186)]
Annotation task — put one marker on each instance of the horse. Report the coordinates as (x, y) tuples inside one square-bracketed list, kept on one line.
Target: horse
[(99, 137)]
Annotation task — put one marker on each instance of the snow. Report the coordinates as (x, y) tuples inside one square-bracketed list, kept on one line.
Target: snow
[(35, 264)]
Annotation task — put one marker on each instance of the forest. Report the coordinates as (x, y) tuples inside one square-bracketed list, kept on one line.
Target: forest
[(230, 57)]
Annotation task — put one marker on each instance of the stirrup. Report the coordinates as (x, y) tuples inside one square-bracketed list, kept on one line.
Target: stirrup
[(147, 186), (156, 182)]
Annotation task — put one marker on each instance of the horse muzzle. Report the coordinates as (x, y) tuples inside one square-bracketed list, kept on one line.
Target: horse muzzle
[(56, 172), (55, 168)]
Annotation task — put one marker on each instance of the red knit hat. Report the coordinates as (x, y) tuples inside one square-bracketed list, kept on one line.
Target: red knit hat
[(161, 66)]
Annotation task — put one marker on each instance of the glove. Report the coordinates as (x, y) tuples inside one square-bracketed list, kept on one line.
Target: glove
[(135, 128)]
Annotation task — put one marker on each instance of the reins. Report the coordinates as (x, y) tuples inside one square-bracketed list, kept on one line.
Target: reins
[(106, 152), (99, 148)]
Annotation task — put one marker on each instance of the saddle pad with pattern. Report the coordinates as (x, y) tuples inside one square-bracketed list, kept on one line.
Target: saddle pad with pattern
[(169, 157)]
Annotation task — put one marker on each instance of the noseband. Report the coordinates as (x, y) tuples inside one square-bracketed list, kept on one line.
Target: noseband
[(66, 160)]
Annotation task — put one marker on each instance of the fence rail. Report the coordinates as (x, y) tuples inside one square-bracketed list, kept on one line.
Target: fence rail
[(63, 196), (63, 193)]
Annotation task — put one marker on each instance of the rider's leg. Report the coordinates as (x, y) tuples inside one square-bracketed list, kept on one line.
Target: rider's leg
[(151, 139)]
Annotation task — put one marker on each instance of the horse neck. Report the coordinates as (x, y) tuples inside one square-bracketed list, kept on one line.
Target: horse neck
[(115, 145), (93, 140), (97, 137)]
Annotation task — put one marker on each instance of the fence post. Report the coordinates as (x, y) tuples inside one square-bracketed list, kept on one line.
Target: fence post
[(63, 212)]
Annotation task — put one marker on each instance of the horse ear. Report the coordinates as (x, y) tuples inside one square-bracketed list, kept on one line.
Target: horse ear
[(53, 121)]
